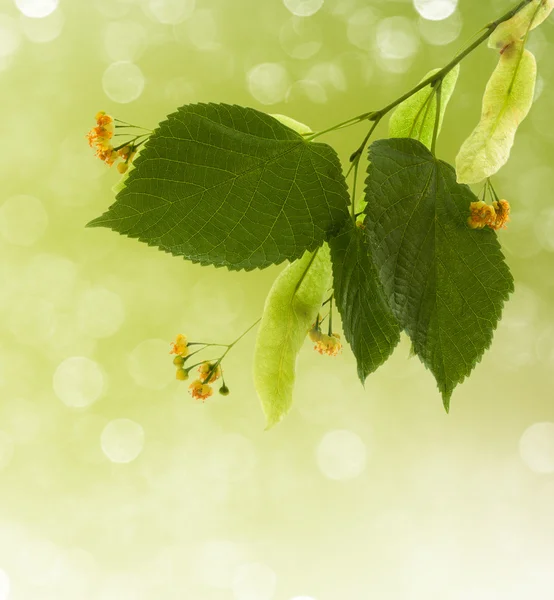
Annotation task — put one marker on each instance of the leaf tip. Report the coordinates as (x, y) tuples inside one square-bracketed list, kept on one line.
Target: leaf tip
[(446, 401)]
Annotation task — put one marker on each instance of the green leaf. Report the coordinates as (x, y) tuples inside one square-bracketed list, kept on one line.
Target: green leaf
[(231, 186), (415, 117), (445, 282), (368, 323), (507, 100), (516, 28), (290, 310), (293, 124)]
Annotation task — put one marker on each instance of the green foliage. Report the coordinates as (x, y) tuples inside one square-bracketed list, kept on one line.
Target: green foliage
[(415, 117), (516, 28), (230, 186), (446, 283), (507, 100), (290, 310), (367, 321)]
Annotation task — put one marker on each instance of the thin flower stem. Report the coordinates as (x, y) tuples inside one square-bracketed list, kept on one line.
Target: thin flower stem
[(330, 316)]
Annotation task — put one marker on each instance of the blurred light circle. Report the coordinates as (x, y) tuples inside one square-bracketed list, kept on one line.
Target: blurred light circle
[(123, 82), (4, 585), (100, 312), (300, 38), (201, 30), (361, 28), (78, 382), (536, 447), (150, 364), (37, 9), (171, 11), (306, 89), (268, 82), (254, 581), (43, 31), (123, 40), (10, 37), (397, 38), (6, 454), (303, 8), (435, 10), (441, 33), (122, 440), (341, 454), (23, 220)]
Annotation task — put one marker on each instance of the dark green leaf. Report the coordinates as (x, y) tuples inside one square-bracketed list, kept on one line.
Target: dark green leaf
[(368, 323), (446, 283), (231, 186)]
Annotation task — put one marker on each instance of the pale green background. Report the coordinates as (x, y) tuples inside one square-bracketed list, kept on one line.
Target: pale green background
[(404, 502)]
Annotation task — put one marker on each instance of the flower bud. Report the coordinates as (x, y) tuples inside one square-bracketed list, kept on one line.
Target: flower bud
[(182, 374), (178, 361), (224, 390)]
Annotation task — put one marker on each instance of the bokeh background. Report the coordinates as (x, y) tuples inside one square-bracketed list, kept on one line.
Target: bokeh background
[(114, 483)]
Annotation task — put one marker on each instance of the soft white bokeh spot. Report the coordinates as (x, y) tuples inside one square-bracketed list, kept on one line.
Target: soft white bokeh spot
[(100, 312), (78, 382), (122, 440), (171, 11), (123, 82), (150, 364), (361, 28), (306, 89), (23, 220), (6, 454), (397, 38), (300, 38), (10, 37), (124, 40), (254, 581), (218, 561), (536, 447), (303, 8), (37, 9), (201, 30), (43, 31), (341, 454), (441, 33), (4, 585), (435, 10), (268, 82)]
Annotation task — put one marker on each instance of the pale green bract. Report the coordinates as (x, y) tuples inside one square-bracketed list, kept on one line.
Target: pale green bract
[(290, 310), (293, 124), (517, 27), (415, 117), (507, 101)]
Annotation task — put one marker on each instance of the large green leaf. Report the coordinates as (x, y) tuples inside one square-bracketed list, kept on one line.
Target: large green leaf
[(514, 29), (446, 283), (368, 323), (415, 117), (290, 310), (231, 186), (507, 100)]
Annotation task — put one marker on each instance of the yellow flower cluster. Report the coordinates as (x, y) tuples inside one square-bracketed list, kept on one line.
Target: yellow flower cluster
[(200, 388), (323, 343), (100, 138), (494, 215)]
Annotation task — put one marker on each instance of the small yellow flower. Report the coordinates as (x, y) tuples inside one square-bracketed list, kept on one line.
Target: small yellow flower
[(179, 346), (502, 213), (481, 214), (494, 216), (329, 344), (204, 370), (200, 391)]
